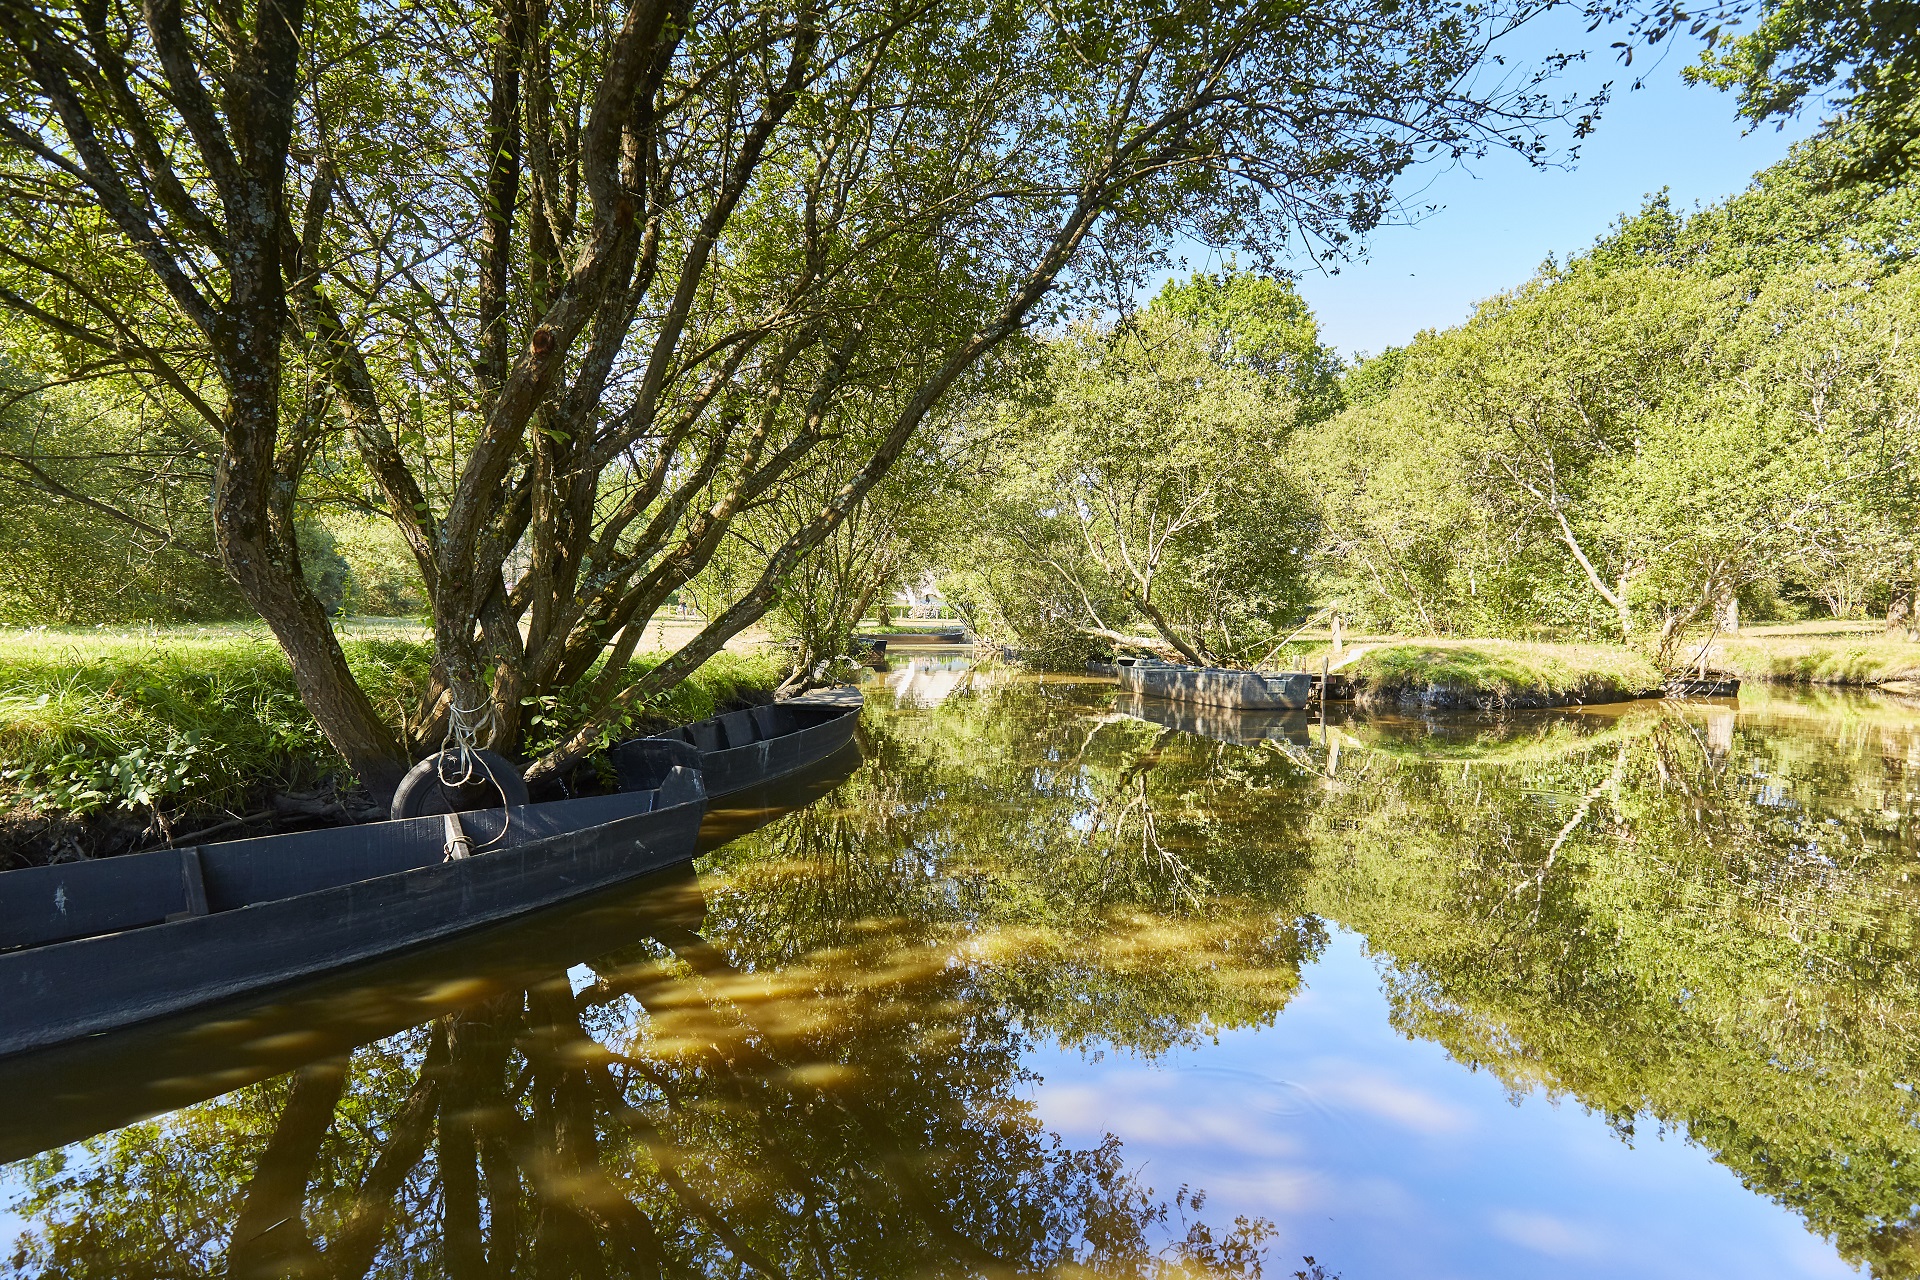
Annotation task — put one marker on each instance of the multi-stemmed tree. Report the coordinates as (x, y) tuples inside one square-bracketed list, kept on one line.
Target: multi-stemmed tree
[(563, 289)]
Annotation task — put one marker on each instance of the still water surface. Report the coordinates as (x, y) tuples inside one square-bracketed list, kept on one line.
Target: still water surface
[(1045, 985)]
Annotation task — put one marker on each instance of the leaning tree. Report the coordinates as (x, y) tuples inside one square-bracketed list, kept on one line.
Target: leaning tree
[(562, 289)]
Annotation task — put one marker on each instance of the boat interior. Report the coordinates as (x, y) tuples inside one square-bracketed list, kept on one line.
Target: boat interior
[(754, 724), (69, 900)]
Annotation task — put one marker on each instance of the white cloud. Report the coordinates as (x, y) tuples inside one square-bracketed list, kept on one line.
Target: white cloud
[(1544, 1233), (1389, 1100)]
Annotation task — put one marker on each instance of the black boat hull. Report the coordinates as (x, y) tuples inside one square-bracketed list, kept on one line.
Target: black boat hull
[(102, 1082), (285, 932), (746, 749)]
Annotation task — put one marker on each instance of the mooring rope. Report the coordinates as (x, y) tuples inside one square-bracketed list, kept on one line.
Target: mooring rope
[(464, 726), (461, 748)]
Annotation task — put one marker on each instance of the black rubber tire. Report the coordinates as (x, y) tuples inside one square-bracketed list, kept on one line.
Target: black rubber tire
[(421, 792)]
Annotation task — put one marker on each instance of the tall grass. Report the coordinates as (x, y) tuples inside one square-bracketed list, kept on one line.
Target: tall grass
[(207, 720), (1492, 673)]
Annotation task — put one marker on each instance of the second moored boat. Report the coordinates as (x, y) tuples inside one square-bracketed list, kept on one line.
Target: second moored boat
[(1217, 686)]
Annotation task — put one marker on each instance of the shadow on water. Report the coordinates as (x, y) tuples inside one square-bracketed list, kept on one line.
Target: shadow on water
[(816, 1057), (110, 1080)]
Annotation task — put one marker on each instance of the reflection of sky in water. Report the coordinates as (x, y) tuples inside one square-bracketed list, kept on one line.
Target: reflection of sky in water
[(11, 1224), (926, 681), (1382, 1157)]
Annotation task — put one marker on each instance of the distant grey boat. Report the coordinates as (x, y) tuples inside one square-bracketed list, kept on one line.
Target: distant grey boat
[(1712, 685), (1218, 686)]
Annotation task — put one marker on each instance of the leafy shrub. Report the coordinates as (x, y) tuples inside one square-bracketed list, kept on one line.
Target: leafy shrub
[(93, 723)]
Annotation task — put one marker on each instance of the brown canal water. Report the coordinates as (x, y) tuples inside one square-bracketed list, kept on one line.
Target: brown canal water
[(1048, 987)]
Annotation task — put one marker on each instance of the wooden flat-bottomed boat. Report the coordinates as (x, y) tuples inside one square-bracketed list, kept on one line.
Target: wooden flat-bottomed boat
[(101, 1082), (1225, 687), (89, 947), (1713, 684), (749, 748)]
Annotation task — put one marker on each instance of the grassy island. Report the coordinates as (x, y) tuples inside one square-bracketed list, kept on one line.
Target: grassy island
[(1496, 674)]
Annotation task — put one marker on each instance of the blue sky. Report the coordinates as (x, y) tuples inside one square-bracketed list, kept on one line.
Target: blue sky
[(1500, 217)]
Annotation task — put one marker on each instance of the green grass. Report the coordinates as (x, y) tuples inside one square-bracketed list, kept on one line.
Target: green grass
[(201, 719), (1817, 627), (1498, 673), (1818, 659)]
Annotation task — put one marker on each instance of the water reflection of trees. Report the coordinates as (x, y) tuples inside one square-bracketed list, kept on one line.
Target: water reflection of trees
[(1669, 917), (675, 1116), (852, 1113), (1107, 880), (832, 1087), (1676, 922)]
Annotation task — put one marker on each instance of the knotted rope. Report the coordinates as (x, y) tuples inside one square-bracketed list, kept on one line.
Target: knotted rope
[(462, 743), (460, 756)]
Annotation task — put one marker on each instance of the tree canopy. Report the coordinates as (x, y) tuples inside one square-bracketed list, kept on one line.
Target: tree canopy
[(1142, 478), (561, 291), (1699, 414)]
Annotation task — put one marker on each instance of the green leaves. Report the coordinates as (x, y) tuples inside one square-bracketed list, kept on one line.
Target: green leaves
[(1145, 485), (1696, 412), (574, 289)]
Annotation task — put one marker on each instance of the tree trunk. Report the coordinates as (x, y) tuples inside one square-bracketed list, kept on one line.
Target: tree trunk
[(260, 467), (267, 569), (1900, 613), (253, 529), (1166, 630), (270, 1236), (1618, 599)]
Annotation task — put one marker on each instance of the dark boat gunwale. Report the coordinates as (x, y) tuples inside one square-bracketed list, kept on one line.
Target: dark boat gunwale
[(743, 749), (173, 930)]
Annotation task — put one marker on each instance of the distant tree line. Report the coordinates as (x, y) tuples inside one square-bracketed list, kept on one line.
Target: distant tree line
[(1701, 418), (1698, 418)]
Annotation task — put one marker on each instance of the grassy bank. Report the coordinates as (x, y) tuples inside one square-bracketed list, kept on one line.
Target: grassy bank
[(179, 726), (131, 722), (1495, 674), (1818, 659)]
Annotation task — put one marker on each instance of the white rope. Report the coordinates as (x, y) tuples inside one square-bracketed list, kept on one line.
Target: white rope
[(464, 727), (461, 748)]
